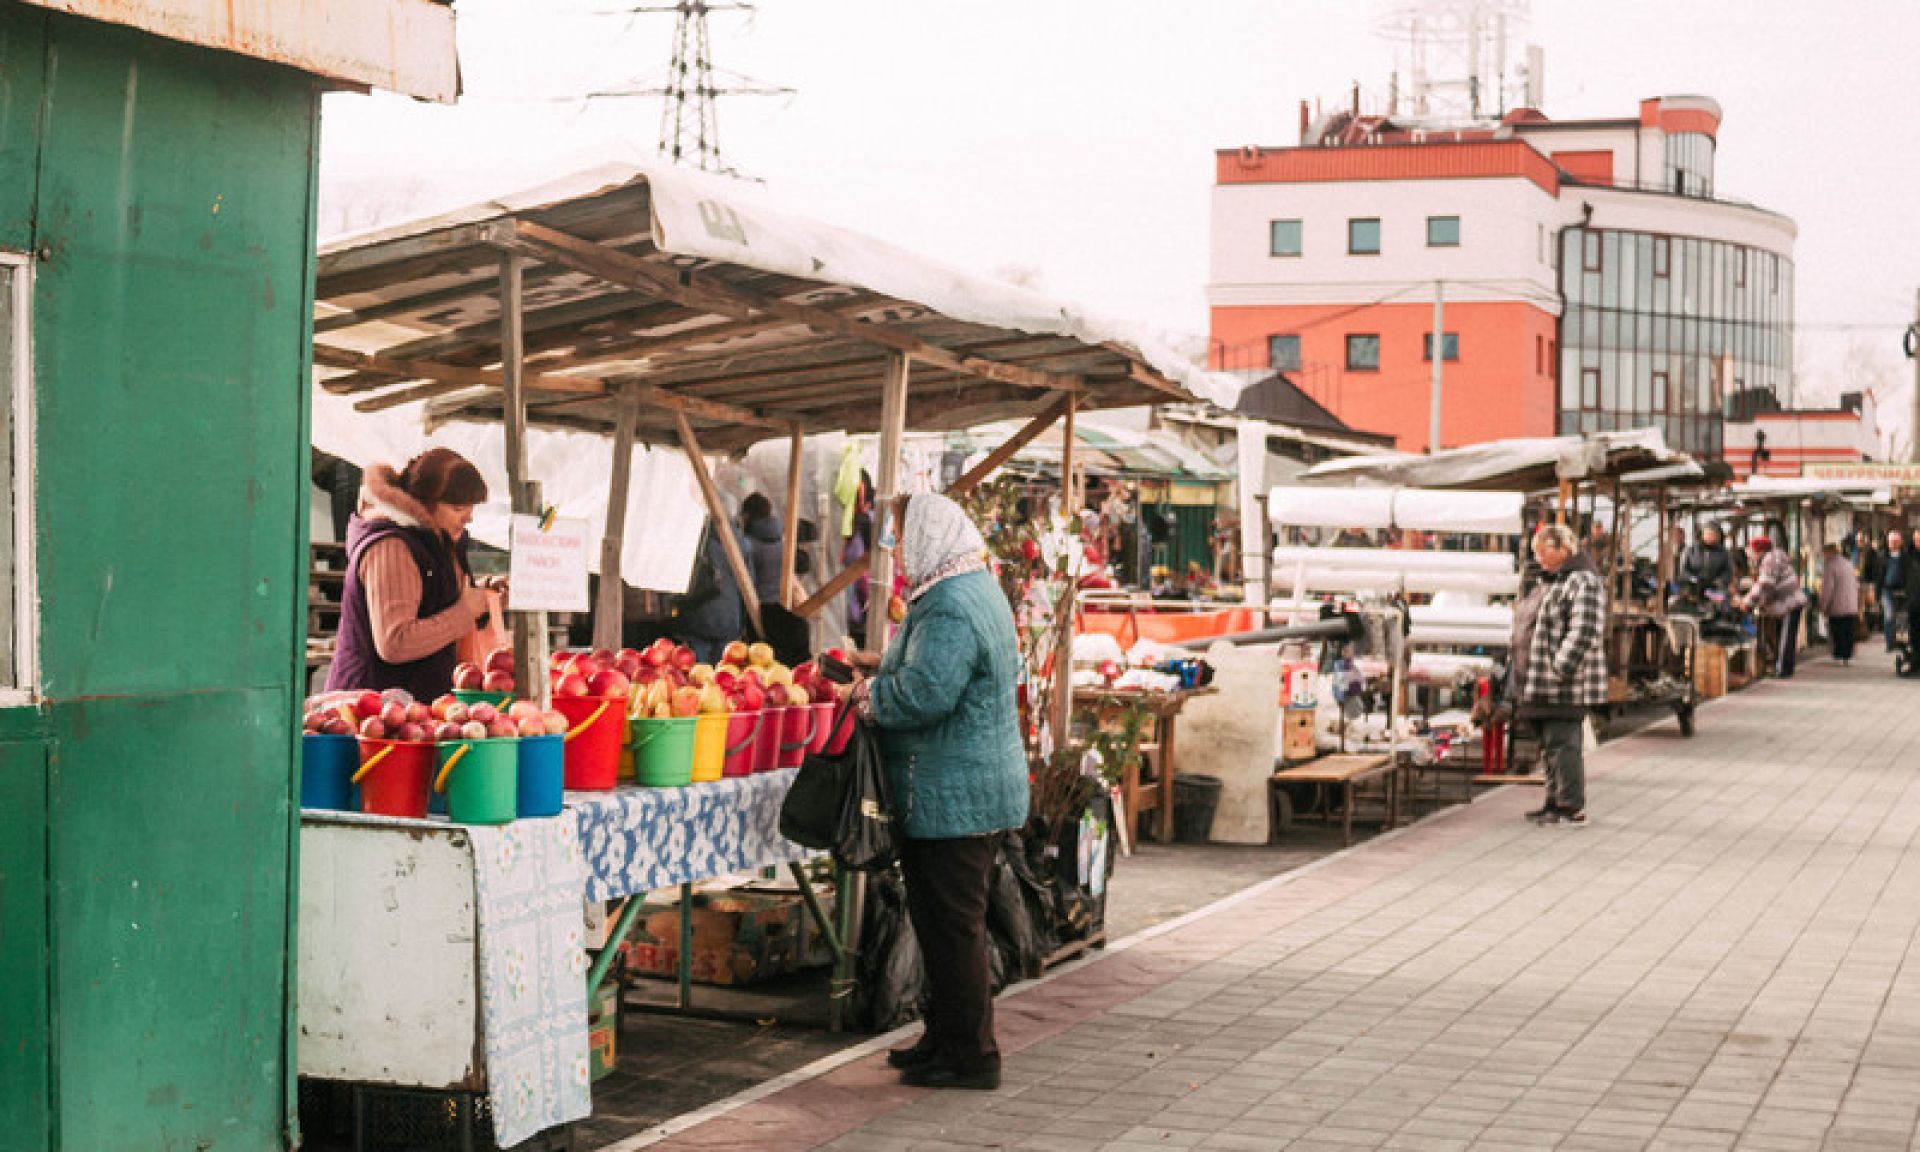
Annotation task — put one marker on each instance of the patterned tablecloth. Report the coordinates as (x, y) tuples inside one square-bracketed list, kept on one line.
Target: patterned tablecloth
[(640, 839)]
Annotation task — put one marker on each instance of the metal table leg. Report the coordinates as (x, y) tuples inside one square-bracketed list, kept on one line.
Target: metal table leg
[(686, 947), (622, 924)]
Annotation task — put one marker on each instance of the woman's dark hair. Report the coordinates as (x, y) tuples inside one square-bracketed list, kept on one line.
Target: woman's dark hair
[(443, 476), (863, 529), (756, 507)]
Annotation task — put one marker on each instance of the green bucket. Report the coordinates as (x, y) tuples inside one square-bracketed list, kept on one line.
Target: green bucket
[(472, 696), (663, 751), (483, 784)]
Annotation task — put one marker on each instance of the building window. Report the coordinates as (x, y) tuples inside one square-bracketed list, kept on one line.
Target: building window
[(19, 621), (1449, 346), (1739, 267), (1661, 392), (1363, 236), (1363, 353), (1689, 158), (1443, 231), (1662, 257), (1283, 238), (1590, 389), (1592, 251), (1540, 355), (1283, 353)]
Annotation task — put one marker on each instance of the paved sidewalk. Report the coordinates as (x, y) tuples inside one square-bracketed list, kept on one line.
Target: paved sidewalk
[(1720, 961)]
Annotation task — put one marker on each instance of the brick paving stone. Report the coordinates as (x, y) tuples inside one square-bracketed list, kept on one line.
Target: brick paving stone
[(1721, 961)]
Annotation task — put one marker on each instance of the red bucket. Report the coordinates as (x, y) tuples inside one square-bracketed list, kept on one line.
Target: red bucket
[(838, 733), (796, 732), (822, 726), (594, 724), (394, 777), (743, 735), (766, 747)]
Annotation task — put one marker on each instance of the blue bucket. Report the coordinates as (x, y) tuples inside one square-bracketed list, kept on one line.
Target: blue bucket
[(327, 765), (542, 775)]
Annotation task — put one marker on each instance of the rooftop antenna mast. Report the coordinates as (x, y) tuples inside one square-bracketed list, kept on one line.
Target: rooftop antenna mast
[(689, 119), (1457, 58)]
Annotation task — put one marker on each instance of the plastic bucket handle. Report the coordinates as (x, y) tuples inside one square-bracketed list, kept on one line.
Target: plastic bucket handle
[(846, 717), (440, 781), (759, 718), (373, 761), (794, 745), (591, 720)]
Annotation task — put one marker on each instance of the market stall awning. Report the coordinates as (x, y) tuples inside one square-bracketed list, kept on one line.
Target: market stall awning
[(1516, 465), (1102, 451), (699, 298)]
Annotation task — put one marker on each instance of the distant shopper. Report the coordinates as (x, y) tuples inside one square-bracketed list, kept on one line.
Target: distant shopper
[(1839, 602), (1897, 578), (944, 701), (710, 615), (1566, 670), (409, 600), (1776, 596), (1707, 563), (761, 534)]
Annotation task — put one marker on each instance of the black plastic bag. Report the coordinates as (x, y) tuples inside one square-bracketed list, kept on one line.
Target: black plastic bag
[(841, 803), (891, 977), (1016, 947)]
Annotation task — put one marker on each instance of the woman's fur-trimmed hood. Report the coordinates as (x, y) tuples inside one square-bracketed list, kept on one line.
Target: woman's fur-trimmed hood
[(381, 497)]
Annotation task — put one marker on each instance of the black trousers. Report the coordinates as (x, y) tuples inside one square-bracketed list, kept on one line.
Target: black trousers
[(947, 902), (1840, 632)]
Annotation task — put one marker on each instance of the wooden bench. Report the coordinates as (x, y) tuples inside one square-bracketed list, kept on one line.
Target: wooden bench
[(1343, 772)]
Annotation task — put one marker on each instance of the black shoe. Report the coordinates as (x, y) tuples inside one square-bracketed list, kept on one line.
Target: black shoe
[(981, 1078), (1545, 814), (916, 1055), (1569, 819)]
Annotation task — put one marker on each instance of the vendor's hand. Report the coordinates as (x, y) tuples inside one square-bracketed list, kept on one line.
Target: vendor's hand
[(864, 661), (475, 600)]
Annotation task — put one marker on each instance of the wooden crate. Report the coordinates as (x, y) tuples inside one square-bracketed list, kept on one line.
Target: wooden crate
[(1710, 671), (1743, 665)]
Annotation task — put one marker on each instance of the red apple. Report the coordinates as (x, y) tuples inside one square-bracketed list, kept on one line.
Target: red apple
[(735, 654), (753, 696), (607, 683), (372, 729), (571, 684), (646, 675), (521, 709), (629, 665), (499, 660), (737, 702), (313, 722), (412, 733), (530, 726), (473, 730), (418, 713), (447, 731), (554, 722), (497, 681), (686, 702), (483, 712), (502, 728), (659, 654), (393, 715), (683, 658), (458, 714), (368, 704), (468, 677)]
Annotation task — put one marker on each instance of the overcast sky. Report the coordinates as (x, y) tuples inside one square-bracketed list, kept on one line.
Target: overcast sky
[(1073, 141)]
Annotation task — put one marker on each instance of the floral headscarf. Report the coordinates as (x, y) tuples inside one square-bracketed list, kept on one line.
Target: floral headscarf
[(939, 541)]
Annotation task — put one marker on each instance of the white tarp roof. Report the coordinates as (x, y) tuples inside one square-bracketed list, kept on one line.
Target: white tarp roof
[(1544, 458), (1423, 510)]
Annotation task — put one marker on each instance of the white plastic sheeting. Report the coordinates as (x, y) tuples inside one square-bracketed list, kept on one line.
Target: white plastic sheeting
[(1420, 509), (1386, 570), (1566, 457), (665, 515)]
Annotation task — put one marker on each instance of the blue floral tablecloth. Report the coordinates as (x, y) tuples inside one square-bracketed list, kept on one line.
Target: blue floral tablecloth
[(533, 974), (641, 839)]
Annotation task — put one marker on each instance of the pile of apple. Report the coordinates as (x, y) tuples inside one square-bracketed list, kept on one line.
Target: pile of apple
[(749, 678), (493, 674), (457, 721), (602, 672)]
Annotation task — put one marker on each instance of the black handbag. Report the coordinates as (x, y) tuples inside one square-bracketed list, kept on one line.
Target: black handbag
[(841, 802)]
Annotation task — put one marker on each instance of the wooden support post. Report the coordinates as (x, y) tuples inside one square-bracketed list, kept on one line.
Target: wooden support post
[(529, 628), (717, 509), (790, 536), (1063, 627), (893, 427), (609, 611)]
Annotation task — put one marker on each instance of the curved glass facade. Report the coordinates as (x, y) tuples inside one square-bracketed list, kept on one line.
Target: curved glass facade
[(1665, 331)]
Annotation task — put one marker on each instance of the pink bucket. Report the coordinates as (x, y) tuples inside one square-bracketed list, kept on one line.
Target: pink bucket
[(766, 747), (743, 738), (822, 726), (796, 732)]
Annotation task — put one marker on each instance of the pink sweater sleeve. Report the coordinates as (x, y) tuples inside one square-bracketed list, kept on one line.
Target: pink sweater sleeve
[(392, 584)]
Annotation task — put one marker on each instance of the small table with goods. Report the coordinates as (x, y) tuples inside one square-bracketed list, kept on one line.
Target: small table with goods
[(1341, 773), (1142, 792)]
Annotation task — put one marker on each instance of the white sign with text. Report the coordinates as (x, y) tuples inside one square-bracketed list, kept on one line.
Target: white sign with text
[(548, 567)]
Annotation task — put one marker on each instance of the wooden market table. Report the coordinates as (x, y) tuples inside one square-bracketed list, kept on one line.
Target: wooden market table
[(1343, 772), (1164, 707)]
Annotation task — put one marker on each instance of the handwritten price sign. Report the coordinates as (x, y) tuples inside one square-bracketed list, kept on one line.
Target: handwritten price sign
[(548, 566)]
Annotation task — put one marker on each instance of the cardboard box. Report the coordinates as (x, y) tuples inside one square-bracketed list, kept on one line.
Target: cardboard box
[(603, 1029), (738, 937), (1297, 735), (1710, 671)]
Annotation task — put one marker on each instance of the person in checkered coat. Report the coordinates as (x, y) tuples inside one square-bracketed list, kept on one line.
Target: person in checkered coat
[(1566, 670)]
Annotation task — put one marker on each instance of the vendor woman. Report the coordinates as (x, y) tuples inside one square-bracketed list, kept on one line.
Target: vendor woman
[(410, 598)]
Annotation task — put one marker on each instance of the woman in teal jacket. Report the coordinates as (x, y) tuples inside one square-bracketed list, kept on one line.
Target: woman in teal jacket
[(944, 701)]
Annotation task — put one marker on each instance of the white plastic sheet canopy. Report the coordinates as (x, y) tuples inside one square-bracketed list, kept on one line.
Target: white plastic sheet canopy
[(1423, 510), (1514, 465)]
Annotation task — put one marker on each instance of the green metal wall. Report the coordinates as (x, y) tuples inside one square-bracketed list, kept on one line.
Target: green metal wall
[(169, 191)]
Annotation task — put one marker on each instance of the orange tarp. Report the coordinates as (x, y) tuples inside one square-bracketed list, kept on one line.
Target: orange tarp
[(1169, 627)]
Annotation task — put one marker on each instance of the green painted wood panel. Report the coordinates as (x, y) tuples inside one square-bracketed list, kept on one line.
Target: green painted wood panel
[(23, 49), (23, 947), (174, 216)]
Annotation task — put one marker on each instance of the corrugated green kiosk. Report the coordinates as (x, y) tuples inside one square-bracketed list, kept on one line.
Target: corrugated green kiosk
[(157, 174)]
